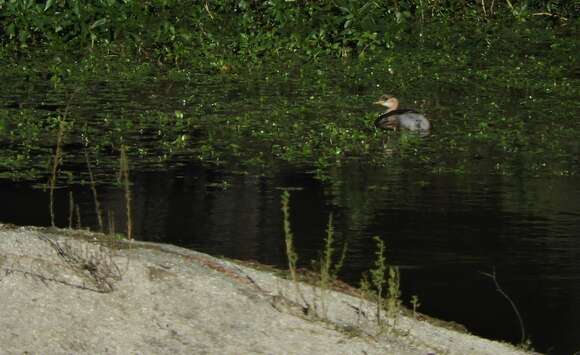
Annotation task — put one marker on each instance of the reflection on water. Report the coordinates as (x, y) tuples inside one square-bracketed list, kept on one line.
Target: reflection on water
[(443, 231)]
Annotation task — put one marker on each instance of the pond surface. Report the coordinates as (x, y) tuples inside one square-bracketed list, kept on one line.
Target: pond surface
[(494, 188), (442, 234)]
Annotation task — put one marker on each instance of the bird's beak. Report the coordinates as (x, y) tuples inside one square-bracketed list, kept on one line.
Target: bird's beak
[(382, 103)]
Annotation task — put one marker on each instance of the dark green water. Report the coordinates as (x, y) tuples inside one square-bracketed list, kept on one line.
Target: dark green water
[(495, 186)]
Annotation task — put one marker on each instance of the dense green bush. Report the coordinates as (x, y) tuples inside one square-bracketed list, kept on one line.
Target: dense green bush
[(170, 30)]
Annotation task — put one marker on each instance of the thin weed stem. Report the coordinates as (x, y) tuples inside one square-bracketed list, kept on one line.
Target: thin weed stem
[(56, 160), (124, 176), (385, 276), (327, 274), (290, 251), (288, 237), (94, 190), (328, 269), (394, 295), (416, 304), (378, 276), (326, 265)]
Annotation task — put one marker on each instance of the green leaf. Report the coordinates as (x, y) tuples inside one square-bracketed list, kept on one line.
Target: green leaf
[(77, 9), (98, 23), (11, 30), (48, 4)]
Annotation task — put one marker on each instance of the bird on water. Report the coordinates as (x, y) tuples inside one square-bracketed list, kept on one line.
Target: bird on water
[(395, 118)]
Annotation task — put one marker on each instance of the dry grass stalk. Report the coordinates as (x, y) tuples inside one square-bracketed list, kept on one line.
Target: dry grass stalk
[(94, 190), (56, 160), (124, 177)]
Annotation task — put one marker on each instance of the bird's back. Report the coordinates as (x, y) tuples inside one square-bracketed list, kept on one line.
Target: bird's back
[(405, 119), (414, 121)]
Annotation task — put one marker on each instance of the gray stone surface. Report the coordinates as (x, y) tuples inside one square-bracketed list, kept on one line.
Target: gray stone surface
[(71, 292)]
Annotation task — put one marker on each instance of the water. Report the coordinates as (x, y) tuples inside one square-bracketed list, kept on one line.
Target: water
[(467, 200), (443, 233)]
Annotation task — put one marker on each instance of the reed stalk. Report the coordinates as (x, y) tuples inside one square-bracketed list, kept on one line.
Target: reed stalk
[(94, 190), (328, 269), (56, 160), (124, 177)]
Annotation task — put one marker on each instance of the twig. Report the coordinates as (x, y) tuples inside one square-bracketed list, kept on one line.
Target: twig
[(501, 291), (551, 15)]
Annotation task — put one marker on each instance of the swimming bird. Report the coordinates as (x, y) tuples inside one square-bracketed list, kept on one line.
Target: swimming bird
[(395, 118)]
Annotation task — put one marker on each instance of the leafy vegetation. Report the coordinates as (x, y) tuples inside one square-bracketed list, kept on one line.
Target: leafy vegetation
[(178, 32), (383, 289), (289, 82)]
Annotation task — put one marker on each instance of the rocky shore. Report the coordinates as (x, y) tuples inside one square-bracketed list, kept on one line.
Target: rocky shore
[(66, 291)]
